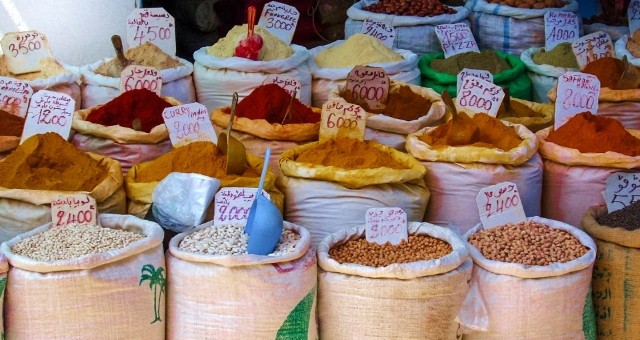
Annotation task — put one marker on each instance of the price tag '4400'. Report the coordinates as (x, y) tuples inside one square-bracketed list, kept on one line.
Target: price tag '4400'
[(341, 119), (500, 204), (577, 92), (152, 25), (73, 209), (621, 190), (137, 77), (477, 95), (368, 85), (23, 51)]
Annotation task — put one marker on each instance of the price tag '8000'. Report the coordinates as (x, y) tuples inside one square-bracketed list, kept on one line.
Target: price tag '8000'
[(342, 119)]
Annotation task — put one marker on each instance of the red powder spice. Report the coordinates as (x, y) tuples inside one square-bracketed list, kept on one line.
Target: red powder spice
[(140, 104), (589, 133), (270, 102), (11, 125)]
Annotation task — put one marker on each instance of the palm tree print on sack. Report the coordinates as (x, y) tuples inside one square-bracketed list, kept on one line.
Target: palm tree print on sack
[(3, 284), (156, 280)]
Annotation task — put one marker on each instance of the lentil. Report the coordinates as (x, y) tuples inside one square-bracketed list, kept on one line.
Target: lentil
[(531, 4), (627, 217), (421, 8)]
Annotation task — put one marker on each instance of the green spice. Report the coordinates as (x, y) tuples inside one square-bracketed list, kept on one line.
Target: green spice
[(560, 56), (487, 60)]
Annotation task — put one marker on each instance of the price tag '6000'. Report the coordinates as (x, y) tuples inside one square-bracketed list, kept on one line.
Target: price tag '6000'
[(368, 85), (341, 119), (137, 77)]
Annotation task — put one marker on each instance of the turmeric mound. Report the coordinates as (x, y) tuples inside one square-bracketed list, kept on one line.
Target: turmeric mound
[(348, 153)]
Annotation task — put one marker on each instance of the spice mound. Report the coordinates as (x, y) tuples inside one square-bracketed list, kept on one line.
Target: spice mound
[(416, 248), (608, 70), (270, 102), (420, 8), (627, 217), (560, 56), (231, 240), (348, 153), (48, 68), (482, 130), (530, 243), (73, 241), (517, 110), (272, 48), (142, 105), (402, 103), (11, 125), (588, 133), (531, 4), (633, 44), (359, 49), (48, 162), (146, 54), (487, 60)]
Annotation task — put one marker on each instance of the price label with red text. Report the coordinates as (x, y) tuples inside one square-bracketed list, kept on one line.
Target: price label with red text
[(341, 119), (633, 14), (24, 51), (15, 96), (233, 204), (137, 77), (73, 209), (49, 112), (384, 225), (592, 47), (456, 39), (368, 85), (560, 27), (152, 25), (621, 190), (288, 83), (577, 92), (477, 95), (482, 74), (382, 31), (280, 20), (500, 204), (189, 123)]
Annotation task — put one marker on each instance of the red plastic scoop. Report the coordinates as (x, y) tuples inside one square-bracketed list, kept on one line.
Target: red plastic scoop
[(250, 46)]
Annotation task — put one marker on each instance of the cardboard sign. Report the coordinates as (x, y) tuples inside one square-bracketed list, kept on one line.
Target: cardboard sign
[(135, 77), (233, 204), (288, 83), (622, 189), (386, 225), (592, 47), (189, 123), (384, 32), (577, 93), (456, 39), (49, 112), (280, 20), (15, 96), (369, 85), (341, 119), (73, 209), (479, 95), (24, 51), (482, 74), (500, 204), (152, 25), (560, 27), (633, 14)]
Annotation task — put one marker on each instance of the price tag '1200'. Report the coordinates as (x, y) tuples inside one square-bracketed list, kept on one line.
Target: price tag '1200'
[(341, 119), (577, 92), (137, 77), (73, 209), (49, 112)]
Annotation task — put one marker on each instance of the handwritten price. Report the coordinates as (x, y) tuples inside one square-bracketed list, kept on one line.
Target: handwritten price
[(583, 101), (577, 92), (379, 30), (622, 189), (280, 19), (480, 95), (136, 81), (353, 113), (592, 47), (234, 204), (497, 203), (153, 25), (560, 27), (26, 43), (386, 225), (73, 209), (455, 39), (80, 217), (188, 123), (500, 204)]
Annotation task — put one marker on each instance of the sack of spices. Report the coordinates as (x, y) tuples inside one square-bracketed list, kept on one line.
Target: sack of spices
[(413, 290), (330, 185), (545, 67), (533, 116), (417, 32), (101, 80), (217, 290), (629, 46), (330, 64), (45, 166), (87, 281), (12, 126)]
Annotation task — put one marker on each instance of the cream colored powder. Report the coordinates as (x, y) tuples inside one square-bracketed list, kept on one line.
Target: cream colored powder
[(146, 54), (48, 68), (272, 48), (359, 49)]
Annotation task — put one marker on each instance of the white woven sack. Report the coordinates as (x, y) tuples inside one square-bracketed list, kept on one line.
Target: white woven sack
[(510, 29), (216, 78), (417, 300), (543, 77), (67, 83), (98, 296), (244, 296), (615, 32), (621, 50), (98, 89), (516, 301)]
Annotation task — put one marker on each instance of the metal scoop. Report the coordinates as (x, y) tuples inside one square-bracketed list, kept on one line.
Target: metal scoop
[(630, 78), (230, 146), (293, 96), (123, 62), (461, 131)]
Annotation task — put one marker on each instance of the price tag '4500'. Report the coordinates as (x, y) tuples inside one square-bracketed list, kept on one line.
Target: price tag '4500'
[(152, 25), (341, 119)]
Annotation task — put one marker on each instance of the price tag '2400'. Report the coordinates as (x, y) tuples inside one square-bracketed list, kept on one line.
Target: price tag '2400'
[(342, 119)]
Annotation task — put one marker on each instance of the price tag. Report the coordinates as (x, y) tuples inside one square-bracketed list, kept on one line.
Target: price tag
[(456, 39), (288, 83), (341, 119), (189, 123), (592, 47), (25, 50), (49, 112), (482, 74), (233, 204), (577, 93), (384, 32), (500, 204), (73, 209), (622, 189), (633, 13), (154, 25), (479, 95), (386, 225), (15, 96), (560, 27), (368, 85), (135, 77), (280, 20)]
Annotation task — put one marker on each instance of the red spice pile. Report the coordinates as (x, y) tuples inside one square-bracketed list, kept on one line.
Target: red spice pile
[(11, 124), (270, 102)]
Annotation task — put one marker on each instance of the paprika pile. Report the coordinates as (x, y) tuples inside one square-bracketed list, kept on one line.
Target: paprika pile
[(270, 102), (11, 124)]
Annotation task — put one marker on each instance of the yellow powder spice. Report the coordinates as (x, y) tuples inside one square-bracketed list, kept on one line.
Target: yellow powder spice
[(359, 49), (146, 54), (348, 153), (48, 68), (272, 49)]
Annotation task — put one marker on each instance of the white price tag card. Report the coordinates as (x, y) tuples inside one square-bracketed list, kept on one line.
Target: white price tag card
[(592, 47), (189, 123), (479, 95), (15, 96), (560, 27), (386, 225), (233, 204), (135, 77), (379, 30), (73, 209), (49, 112), (288, 83), (280, 20), (456, 39), (621, 190), (482, 74), (633, 14), (577, 92), (152, 25), (25, 50), (341, 119), (500, 204), (369, 85)]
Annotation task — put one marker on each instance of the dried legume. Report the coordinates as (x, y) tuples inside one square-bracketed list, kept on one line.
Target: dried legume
[(421, 8), (627, 217)]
